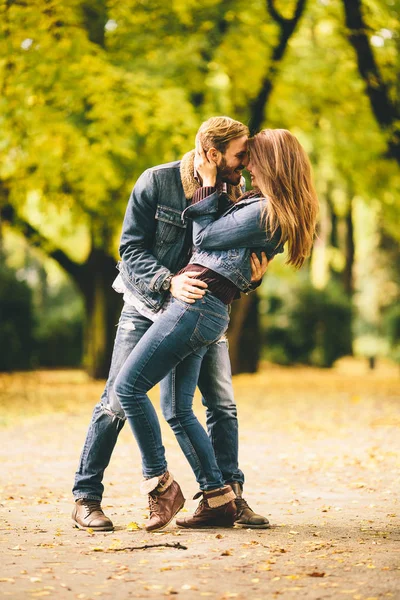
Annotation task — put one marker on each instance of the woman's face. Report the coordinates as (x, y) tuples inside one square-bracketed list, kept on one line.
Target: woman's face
[(252, 169)]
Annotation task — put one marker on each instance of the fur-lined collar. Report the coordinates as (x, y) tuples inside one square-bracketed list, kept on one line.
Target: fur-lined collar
[(190, 184)]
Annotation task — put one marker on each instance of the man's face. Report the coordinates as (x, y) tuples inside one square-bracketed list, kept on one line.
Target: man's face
[(231, 164)]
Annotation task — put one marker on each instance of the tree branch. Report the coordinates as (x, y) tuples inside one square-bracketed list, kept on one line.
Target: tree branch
[(287, 28), (176, 545), (274, 14), (38, 240), (95, 18), (386, 112)]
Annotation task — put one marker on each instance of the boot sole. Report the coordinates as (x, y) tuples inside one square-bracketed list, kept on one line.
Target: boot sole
[(166, 524), (207, 526), (244, 526), (76, 525)]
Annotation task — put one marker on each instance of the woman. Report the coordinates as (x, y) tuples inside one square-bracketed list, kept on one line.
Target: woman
[(282, 209)]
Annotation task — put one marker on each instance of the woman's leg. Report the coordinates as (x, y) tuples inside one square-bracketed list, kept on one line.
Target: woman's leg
[(180, 331), (177, 390)]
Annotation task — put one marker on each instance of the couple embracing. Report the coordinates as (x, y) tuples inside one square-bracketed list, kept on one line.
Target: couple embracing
[(192, 242)]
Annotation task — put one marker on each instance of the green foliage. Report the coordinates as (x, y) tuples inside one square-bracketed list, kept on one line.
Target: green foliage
[(93, 92), (392, 325), (78, 126), (60, 345), (310, 327), (59, 328), (16, 323), (41, 313)]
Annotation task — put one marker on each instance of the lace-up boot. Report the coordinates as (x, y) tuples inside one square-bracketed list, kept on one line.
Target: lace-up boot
[(246, 517), (216, 509), (88, 514), (165, 500)]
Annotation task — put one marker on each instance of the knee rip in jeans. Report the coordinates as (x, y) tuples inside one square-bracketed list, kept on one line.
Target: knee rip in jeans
[(128, 326), (114, 415)]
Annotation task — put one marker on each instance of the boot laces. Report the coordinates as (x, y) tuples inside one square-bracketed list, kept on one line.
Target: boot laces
[(241, 505), (92, 506), (200, 507), (153, 504)]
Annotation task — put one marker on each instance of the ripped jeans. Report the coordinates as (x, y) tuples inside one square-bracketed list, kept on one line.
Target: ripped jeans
[(178, 338), (215, 384)]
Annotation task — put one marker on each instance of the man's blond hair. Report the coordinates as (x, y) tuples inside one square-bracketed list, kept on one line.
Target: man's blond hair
[(217, 132)]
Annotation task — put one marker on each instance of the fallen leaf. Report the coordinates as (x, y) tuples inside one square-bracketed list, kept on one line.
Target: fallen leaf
[(187, 586)]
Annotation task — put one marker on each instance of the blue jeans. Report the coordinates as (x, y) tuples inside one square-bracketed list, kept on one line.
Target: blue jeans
[(108, 417), (177, 340)]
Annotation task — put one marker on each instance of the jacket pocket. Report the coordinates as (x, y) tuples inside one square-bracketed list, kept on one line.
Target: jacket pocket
[(169, 224)]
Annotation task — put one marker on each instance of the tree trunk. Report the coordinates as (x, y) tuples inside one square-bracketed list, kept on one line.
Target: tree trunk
[(244, 335), (348, 278), (244, 330), (102, 307)]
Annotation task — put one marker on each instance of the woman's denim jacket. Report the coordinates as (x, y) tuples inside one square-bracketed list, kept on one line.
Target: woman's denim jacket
[(224, 243)]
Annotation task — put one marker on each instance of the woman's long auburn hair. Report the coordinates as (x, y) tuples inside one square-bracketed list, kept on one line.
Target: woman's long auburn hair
[(284, 177)]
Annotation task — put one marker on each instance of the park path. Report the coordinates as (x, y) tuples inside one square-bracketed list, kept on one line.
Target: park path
[(320, 450)]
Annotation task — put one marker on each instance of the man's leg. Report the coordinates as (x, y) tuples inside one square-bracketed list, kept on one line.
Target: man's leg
[(107, 421), (215, 384)]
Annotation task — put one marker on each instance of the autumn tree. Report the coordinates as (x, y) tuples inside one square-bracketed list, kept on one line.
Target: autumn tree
[(95, 92)]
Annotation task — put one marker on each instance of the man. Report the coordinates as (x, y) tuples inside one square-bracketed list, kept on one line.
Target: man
[(155, 245)]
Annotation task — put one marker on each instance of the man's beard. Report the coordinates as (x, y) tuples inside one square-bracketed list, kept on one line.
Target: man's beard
[(227, 174)]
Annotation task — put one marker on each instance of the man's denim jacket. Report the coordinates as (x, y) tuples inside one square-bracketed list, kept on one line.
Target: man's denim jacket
[(224, 243), (154, 243)]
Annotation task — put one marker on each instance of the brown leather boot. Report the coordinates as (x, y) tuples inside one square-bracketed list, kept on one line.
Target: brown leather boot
[(216, 509), (88, 514), (246, 517), (165, 500)]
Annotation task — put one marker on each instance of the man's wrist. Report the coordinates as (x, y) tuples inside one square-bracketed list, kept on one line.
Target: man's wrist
[(209, 182), (166, 284)]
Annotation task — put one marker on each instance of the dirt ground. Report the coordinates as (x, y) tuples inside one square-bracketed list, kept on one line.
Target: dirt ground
[(320, 451)]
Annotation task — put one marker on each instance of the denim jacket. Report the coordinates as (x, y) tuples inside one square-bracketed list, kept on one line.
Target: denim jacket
[(224, 243), (154, 243)]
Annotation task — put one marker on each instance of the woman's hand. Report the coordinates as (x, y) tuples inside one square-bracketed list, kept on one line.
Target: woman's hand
[(258, 269), (205, 166)]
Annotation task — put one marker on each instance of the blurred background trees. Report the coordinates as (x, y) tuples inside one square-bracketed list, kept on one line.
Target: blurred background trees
[(93, 92)]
